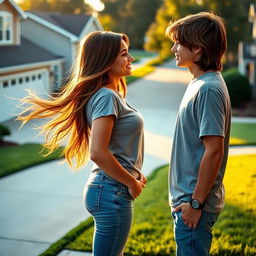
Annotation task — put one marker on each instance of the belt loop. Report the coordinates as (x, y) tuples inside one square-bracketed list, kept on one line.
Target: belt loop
[(119, 189)]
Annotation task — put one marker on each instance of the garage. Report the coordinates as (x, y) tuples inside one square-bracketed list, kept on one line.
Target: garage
[(13, 87)]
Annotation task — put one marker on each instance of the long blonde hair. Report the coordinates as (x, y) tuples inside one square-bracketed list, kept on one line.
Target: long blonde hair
[(97, 52)]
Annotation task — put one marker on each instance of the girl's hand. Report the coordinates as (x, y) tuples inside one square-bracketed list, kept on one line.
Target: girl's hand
[(143, 179), (136, 188)]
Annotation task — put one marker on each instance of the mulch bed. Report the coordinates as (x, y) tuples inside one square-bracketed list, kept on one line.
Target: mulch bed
[(7, 143), (246, 110)]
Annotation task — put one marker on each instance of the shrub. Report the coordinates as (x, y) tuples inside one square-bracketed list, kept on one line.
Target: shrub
[(4, 131), (238, 86)]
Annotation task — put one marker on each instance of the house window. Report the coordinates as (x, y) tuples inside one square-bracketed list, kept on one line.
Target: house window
[(13, 82), (6, 27), (5, 83)]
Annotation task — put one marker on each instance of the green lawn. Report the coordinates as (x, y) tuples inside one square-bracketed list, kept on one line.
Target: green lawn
[(139, 73), (243, 133), (16, 158), (152, 235)]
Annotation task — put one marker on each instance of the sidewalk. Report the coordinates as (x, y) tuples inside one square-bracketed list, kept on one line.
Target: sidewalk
[(41, 204)]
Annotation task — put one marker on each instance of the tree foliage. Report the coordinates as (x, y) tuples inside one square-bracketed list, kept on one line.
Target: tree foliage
[(132, 17), (234, 13), (63, 6)]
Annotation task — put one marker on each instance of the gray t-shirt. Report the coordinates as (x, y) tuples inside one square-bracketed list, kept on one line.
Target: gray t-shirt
[(127, 139), (205, 110)]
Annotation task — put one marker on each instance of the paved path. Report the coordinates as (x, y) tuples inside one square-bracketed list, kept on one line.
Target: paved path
[(41, 204)]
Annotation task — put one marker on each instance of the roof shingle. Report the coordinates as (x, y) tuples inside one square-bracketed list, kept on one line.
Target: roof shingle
[(25, 53), (73, 23)]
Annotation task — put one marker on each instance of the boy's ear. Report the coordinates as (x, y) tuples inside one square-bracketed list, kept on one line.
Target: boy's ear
[(197, 50)]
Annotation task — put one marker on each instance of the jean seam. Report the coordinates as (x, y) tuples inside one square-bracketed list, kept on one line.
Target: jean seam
[(118, 217), (97, 201)]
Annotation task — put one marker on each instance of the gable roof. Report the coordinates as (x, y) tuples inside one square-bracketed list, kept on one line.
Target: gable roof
[(73, 23), (16, 7), (25, 53), (69, 25)]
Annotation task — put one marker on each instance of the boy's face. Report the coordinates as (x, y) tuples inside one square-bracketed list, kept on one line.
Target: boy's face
[(184, 56)]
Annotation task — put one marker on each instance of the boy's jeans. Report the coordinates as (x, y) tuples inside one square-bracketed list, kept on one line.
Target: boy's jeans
[(194, 242)]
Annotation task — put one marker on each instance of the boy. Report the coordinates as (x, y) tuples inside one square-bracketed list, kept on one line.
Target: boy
[(200, 144)]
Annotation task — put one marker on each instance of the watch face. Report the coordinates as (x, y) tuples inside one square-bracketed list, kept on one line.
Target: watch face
[(195, 204)]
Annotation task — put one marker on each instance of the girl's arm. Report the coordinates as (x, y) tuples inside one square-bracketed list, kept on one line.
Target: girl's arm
[(101, 131)]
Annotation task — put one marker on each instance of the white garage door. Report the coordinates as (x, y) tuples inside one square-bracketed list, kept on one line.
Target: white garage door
[(13, 88)]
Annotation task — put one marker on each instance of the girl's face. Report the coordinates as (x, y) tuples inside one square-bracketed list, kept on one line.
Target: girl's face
[(122, 65)]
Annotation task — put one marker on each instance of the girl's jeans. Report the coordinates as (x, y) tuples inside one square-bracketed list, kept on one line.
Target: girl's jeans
[(194, 242), (111, 207)]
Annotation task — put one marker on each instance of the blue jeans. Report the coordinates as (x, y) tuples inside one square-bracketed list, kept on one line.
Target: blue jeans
[(111, 207), (194, 242)]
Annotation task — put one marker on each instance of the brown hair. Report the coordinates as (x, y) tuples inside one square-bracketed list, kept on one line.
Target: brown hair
[(205, 30), (97, 52)]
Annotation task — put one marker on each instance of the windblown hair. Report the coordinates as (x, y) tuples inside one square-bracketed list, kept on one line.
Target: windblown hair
[(205, 30), (68, 122)]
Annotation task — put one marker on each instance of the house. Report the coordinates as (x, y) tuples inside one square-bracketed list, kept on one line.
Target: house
[(36, 51), (59, 33), (247, 52)]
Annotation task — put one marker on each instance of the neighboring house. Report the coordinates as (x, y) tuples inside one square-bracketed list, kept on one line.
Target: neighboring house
[(59, 33), (36, 51), (247, 52)]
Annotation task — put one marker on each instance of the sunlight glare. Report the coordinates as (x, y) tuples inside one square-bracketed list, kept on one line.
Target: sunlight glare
[(96, 4)]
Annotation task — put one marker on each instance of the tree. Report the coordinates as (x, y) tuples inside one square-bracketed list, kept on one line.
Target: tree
[(131, 17), (235, 15), (112, 14), (139, 15), (63, 6), (169, 11)]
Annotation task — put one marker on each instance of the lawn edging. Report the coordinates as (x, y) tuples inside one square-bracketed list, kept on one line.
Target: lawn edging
[(66, 239)]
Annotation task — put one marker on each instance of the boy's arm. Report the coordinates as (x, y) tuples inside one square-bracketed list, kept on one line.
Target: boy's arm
[(209, 166), (208, 171)]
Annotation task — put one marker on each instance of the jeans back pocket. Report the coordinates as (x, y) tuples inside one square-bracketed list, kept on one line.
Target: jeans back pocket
[(92, 197)]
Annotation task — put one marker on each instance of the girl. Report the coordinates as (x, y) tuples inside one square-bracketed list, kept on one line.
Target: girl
[(93, 117)]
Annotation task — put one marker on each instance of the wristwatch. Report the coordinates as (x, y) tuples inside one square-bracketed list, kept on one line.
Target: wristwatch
[(195, 204)]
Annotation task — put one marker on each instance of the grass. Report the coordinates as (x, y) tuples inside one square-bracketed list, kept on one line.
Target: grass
[(19, 157), (139, 73), (152, 235), (243, 133)]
